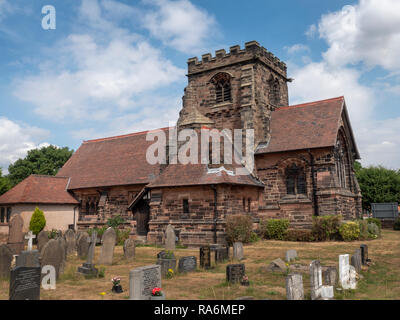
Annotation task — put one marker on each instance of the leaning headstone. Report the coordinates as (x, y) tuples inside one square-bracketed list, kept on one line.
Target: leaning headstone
[(170, 238), (290, 255), (235, 272), (318, 290), (129, 249), (205, 257), (25, 283), (347, 273), (278, 265), (187, 264), (356, 260), (82, 245), (108, 245), (42, 239), (6, 257), (15, 235), (294, 287), (238, 251), (88, 268), (330, 276), (28, 259), (143, 280), (53, 254), (364, 254), (71, 241)]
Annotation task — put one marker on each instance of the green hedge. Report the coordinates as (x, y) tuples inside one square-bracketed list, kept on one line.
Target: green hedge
[(274, 228), (350, 231)]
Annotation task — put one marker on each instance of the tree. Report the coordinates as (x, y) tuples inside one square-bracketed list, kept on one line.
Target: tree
[(46, 161), (5, 184), (378, 184), (38, 221)]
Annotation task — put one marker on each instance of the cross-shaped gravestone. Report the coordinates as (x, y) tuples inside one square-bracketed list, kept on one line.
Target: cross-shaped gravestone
[(30, 236)]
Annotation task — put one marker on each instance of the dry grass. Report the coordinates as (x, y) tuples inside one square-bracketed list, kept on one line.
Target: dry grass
[(380, 281)]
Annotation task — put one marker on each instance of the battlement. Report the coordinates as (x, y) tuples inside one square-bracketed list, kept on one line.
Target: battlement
[(252, 50)]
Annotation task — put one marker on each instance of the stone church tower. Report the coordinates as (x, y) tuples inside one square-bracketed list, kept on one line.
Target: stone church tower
[(235, 90)]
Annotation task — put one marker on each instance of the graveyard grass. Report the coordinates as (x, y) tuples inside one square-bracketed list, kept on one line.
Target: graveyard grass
[(380, 281)]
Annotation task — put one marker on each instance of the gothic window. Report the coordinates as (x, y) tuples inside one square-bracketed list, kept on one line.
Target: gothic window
[(340, 158), (223, 90), (248, 204), (8, 214), (275, 92), (295, 180), (185, 206), (244, 204)]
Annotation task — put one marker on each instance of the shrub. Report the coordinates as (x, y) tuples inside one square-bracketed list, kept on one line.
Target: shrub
[(299, 235), (376, 221), (122, 235), (38, 221), (326, 227), (349, 231), (363, 225), (373, 231), (116, 221), (254, 237), (239, 228), (53, 234), (99, 231), (274, 228), (396, 225)]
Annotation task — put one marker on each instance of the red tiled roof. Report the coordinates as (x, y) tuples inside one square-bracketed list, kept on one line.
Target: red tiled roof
[(40, 189), (305, 126), (111, 161)]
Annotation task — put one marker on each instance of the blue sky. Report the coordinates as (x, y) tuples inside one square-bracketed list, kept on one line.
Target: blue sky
[(113, 67)]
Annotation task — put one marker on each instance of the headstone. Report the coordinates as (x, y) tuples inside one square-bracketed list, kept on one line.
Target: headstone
[(221, 254), (82, 245), (356, 260), (364, 254), (166, 263), (187, 264), (15, 235), (291, 255), (347, 273), (143, 280), (30, 236), (42, 239), (53, 254), (170, 238), (129, 249), (278, 265), (108, 245), (235, 272), (318, 290), (327, 292), (88, 268), (6, 257), (25, 283), (294, 287), (63, 247), (71, 241), (205, 257), (238, 251), (28, 259), (330, 276)]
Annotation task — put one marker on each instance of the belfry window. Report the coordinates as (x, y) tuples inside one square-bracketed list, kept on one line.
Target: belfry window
[(223, 90), (295, 180), (275, 92), (185, 206)]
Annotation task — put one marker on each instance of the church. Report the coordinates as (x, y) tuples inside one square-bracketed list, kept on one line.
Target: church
[(303, 159)]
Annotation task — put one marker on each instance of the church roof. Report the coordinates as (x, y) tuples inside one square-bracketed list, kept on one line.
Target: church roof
[(306, 126), (40, 189), (111, 161)]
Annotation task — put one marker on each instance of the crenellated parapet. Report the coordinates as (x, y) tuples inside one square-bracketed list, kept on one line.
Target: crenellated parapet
[(252, 51)]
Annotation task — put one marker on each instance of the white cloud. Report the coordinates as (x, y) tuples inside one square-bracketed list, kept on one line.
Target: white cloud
[(5, 9), (298, 47), (180, 24), (17, 139)]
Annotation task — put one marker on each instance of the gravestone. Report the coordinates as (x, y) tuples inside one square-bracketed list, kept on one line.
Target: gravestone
[(235, 272), (108, 245), (347, 273), (356, 260), (278, 265), (167, 260), (63, 247), (129, 249), (82, 245), (294, 287), (71, 241), (30, 236), (187, 264), (143, 280), (364, 254), (221, 254), (6, 257), (330, 276), (238, 251), (53, 254), (42, 239), (15, 235), (291, 255), (170, 238), (29, 259), (88, 268), (318, 290), (25, 283), (205, 257)]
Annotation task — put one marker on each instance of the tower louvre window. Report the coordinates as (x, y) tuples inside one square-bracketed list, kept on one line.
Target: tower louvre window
[(223, 90)]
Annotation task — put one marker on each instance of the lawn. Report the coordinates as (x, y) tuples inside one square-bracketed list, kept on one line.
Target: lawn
[(379, 281)]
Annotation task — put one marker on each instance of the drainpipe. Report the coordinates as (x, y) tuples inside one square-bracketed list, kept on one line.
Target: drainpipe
[(75, 218), (215, 212), (314, 186)]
